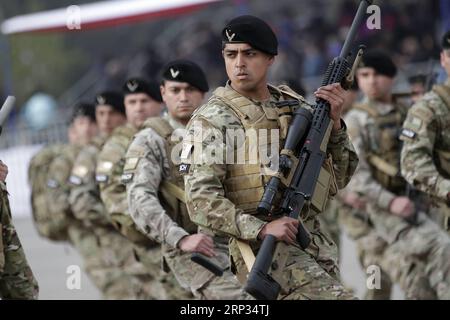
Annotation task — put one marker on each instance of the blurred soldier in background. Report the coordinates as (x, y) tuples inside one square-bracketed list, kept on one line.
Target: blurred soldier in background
[(16, 278), (142, 100), (408, 247), (108, 256), (426, 144)]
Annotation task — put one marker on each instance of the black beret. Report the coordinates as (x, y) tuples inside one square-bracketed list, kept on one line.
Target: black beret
[(112, 98), (446, 40), (186, 71), (251, 30), (83, 109), (380, 61), (138, 85)]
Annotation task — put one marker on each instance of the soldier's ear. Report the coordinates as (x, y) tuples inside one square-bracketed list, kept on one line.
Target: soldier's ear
[(271, 59)]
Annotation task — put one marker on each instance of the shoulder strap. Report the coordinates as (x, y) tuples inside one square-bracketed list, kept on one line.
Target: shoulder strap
[(127, 131), (160, 125)]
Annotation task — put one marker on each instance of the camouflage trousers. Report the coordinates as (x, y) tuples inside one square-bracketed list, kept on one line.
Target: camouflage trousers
[(164, 284), (201, 282), (370, 247), (416, 256), (110, 263), (309, 274)]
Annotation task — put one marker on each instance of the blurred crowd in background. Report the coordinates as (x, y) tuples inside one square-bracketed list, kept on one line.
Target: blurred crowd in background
[(50, 72)]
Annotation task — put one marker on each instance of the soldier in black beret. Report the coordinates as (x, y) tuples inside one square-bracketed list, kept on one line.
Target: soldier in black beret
[(223, 197), (142, 100), (109, 111), (183, 88), (82, 125)]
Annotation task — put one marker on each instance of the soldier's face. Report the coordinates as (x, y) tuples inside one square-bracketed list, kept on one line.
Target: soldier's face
[(82, 130), (139, 107), (181, 99), (445, 60), (246, 67), (108, 118), (374, 85)]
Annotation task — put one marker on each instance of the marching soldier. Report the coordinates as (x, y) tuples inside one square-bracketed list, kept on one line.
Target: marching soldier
[(108, 256), (408, 247), (425, 155), (156, 192), (222, 196)]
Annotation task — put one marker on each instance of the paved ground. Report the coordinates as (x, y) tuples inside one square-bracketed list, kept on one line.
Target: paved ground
[(50, 261)]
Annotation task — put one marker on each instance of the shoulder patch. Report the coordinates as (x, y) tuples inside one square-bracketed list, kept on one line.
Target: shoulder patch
[(184, 168), (101, 178), (126, 177), (407, 133), (104, 166), (52, 184), (414, 123), (80, 171), (75, 180), (131, 163)]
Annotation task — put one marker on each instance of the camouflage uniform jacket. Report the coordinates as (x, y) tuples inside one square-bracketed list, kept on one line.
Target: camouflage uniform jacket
[(205, 194), (426, 130), (113, 192), (150, 167), (16, 278)]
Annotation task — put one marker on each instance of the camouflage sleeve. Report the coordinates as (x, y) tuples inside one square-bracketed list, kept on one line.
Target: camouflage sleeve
[(84, 195), (362, 181), (58, 195), (16, 278), (419, 135), (146, 165), (205, 196), (345, 159), (113, 192)]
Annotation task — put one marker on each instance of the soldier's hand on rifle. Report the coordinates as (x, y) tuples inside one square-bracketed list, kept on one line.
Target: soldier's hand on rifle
[(198, 242), (3, 171), (402, 207), (335, 95), (284, 229)]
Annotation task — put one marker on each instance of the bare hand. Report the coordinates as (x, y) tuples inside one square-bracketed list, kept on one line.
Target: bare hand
[(354, 200), (335, 95), (3, 171), (402, 207), (198, 242), (284, 229)]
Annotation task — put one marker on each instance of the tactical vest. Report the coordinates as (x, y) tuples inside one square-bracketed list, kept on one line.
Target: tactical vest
[(244, 183), (443, 156), (171, 190), (383, 147)]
